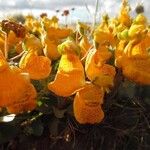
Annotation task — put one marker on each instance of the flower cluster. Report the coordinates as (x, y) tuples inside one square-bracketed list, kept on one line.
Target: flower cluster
[(88, 60)]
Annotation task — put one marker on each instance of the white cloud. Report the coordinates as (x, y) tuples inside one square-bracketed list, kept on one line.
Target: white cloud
[(110, 6)]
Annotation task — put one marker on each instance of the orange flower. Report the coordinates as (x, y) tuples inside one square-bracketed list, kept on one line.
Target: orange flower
[(97, 57), (48, 23), (39, 67), (11, 86), (120, 48), (17, 93), (133, 48), (87, 104), (105, 77), (69, 77), (136, 68), (2, 41), (12, 39), (97, 71), (29, 22), (69, 46), (50, 49), (84, 45), (146, 40), (25, 103), (103, 34), (124, 17), (58, 33), (3, 63), (18, 47), (128, 48), (139, 49), (136, 31), (32, 43)]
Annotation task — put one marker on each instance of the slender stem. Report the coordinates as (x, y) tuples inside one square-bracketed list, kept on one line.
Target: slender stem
[(76, 37), (95, 14), (18, 56), (88, 10), (6, 46), (66, 23), (84, 57)]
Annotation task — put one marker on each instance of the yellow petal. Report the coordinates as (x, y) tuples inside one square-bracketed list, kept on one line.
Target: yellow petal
[(13, 86), (84, 45), (87, 108), (94, 65), (33, 43), (27, 101), (69, 46), (139, 49), (12, 39), (50, 49), (103, 35), (39, 67), (105, 77), (136, 68), (124, 17), (58, 33), (3, 62), (69, 77)]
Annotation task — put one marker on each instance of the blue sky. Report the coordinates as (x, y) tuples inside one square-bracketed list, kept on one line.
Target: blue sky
[(81, 13)]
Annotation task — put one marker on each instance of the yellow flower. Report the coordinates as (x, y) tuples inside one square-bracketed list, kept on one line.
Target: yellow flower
[(120, 48), (3, 63), (103, 35), (32, 43), (17, 94), (39, 67), (2, 41), (84, 45), (58, 33), (18, 47), (29, 23), (87, 104), (48, 23), (139, 49), (69, 77), (105, 77), (97, 71), (27, 101), (82, 28), (124, 17), (146, 40), (136, 31), (140, 19), (69, 46), (16, 91), (12, 39), (32, 24), (97, 57), (136, 68), (50, 49)]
